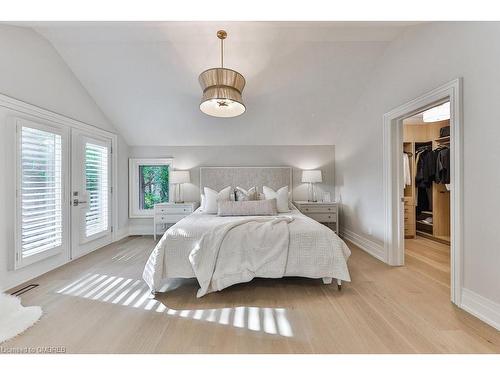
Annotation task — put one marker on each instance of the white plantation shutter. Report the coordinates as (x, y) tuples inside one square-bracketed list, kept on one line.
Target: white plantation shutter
[(40, 192), (97, 186)]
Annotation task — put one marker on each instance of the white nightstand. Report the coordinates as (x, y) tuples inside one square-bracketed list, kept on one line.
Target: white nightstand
[(171, 213), (323, 212)]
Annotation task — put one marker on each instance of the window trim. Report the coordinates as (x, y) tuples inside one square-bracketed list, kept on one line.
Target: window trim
[(134, 211), (19, 261)]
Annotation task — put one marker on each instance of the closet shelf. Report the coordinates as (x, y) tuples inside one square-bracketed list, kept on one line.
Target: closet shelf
[(443, 139), (424, 222)]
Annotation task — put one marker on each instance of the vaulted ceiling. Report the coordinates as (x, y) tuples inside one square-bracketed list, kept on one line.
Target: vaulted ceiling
[(303, 78)]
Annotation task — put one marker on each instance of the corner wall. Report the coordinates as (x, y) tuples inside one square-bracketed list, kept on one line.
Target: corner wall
[(424, 58), (32, 71)]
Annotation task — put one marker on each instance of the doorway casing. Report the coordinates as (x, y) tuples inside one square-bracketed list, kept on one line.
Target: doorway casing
[(394, 181)]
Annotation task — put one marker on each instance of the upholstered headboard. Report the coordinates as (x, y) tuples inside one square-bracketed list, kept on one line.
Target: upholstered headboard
[(218, 178)]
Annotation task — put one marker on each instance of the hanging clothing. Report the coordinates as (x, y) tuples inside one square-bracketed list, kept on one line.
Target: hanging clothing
[(423, 202), (406, 169), (442, 175), (426, 168), (429, 168)]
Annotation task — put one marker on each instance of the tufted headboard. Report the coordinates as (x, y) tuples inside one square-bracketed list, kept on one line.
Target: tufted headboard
[(218, 178)]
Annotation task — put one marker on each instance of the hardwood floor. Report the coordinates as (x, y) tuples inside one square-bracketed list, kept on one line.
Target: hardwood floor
[(430, 258), (98, 304)]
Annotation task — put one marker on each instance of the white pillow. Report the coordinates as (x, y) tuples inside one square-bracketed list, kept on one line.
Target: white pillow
[(211, 198), (202, 204), (281, 197)]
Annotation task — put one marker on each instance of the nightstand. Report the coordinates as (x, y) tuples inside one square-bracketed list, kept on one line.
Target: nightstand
[(323, 212), (171, 213)]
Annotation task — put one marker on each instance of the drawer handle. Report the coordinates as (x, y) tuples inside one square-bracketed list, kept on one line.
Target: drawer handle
[(307, 209), (329, 209)]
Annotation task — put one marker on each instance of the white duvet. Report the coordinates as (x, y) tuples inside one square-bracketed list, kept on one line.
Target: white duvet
[(223, 251)]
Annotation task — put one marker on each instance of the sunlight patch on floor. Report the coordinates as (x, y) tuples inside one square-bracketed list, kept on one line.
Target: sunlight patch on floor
[(135, 294)]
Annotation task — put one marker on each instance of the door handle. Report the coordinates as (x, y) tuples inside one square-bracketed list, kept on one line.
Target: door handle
[(76, 202)]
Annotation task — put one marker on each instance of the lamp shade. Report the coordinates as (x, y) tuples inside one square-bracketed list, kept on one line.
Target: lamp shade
[(312, 176), (179, 177), (222, 90)]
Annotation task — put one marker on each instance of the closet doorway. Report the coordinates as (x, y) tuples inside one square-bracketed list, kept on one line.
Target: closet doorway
[(427, 186), (396, 192)]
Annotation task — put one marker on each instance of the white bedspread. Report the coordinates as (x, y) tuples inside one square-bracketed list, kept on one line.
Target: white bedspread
[(314, 250), (236, 252)]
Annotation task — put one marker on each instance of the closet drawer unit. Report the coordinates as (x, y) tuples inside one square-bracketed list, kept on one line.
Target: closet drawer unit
[(409, 220), (409, 217)]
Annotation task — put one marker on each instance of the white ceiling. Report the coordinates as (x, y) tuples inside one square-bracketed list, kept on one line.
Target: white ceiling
[(303, 78)]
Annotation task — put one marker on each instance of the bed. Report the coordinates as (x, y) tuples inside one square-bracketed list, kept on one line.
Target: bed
[(312, 249)]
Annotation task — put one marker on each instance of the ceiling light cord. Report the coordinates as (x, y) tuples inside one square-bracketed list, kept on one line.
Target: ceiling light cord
[(222, 34)]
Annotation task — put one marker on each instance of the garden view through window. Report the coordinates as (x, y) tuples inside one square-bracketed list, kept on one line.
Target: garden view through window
[(153, 185)]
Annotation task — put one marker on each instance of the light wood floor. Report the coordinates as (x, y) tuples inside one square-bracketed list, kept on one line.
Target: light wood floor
[(98, 304)]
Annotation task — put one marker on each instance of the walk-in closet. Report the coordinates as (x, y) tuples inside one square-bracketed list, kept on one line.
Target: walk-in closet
[(426, 164)]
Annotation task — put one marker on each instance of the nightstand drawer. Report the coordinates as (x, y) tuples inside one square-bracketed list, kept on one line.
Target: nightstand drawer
[(167, 219), (174, 210), (323, 218), (319, 209)]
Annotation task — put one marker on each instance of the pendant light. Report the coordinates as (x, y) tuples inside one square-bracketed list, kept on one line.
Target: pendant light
[(222, 88)]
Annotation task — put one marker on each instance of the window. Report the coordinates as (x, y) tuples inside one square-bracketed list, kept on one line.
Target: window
[(40, 193), (96, 184), (149, 185), (153, 185)]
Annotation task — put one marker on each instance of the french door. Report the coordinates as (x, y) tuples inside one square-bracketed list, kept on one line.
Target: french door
[(91, 188), (42, 183)]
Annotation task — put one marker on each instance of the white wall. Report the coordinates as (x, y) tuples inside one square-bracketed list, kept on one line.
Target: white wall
[(192, 157), (32, 71), (423, 58)]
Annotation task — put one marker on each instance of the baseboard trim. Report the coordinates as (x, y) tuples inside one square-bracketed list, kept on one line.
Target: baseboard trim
[(121, 234), (482, 308), (374, 249)]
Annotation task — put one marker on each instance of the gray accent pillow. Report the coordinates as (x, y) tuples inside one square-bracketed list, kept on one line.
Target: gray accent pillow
[(248, 208), (246, 195)]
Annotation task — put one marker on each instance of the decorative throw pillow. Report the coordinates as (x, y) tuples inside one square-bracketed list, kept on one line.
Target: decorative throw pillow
[(246, 195), (248, 208), (281, 197), (212, 197), (202, 204)]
